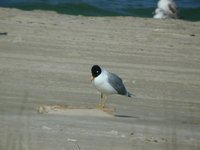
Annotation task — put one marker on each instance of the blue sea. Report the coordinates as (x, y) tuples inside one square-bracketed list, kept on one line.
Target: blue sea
[(189, 9)]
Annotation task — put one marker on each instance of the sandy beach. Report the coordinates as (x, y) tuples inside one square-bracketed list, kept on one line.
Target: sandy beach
[(45, 59)]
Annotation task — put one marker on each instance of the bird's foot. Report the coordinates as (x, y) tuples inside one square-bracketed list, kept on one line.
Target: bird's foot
[(100, 106)]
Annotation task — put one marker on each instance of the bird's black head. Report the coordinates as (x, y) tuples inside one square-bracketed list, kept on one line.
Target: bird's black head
[(96, 70)]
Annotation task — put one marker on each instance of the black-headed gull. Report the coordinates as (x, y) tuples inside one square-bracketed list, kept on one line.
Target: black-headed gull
[(107, 83)]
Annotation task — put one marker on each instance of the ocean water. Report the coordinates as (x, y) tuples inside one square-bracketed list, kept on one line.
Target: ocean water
[(189, 9)]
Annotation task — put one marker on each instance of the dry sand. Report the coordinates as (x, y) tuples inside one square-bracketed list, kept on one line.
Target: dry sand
[(45, 59)]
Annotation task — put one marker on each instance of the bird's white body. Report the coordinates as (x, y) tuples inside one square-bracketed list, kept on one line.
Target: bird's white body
[(159, 14), (166, 9), (102, 85)]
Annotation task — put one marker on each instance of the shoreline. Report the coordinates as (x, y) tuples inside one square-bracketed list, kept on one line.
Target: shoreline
[(187, 14)]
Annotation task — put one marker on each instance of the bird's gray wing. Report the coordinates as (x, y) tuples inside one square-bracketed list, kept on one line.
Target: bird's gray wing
[(116, 83), (173, 8)]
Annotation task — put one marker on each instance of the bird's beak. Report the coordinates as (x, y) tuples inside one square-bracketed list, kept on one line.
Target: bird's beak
[(91, 78)]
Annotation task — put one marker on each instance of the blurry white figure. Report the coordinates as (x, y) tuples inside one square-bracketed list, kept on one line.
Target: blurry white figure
[(166, 9)]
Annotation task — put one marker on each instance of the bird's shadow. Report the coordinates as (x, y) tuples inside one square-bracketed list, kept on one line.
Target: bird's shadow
[(126, 116)]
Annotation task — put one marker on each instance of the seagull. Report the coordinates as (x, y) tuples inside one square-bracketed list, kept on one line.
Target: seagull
[(107, 83), (166, 9)]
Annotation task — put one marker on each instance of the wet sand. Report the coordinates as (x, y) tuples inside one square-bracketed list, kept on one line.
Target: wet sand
[(46, 60)]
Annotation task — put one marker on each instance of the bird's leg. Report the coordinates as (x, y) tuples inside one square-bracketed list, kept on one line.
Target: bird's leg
[(104, 102), (100, 102), (101, 96)]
